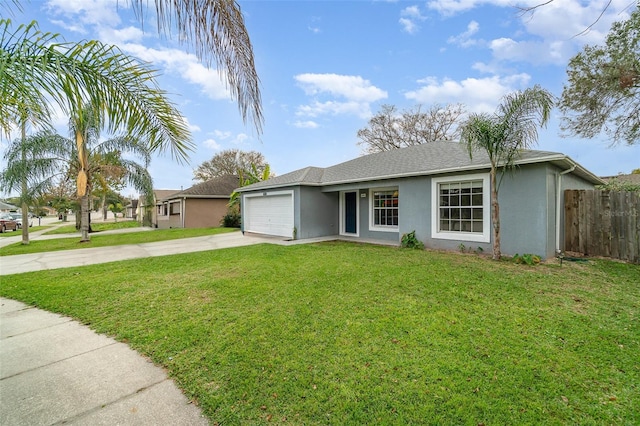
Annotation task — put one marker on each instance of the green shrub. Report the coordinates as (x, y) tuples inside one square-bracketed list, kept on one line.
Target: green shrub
[(527, 259), (410, 241), (231, 220)]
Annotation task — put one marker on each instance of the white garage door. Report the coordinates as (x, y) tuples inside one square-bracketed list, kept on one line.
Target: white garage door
[(270, 214)]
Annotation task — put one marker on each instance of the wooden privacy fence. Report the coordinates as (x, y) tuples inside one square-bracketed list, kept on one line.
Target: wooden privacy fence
[(602, 223)]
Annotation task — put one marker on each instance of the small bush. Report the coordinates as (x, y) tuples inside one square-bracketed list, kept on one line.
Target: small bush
[(526, 259), (410, 241), (231, 220)]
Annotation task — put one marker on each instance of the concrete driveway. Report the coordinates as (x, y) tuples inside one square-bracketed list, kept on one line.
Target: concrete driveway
[(90, 256)]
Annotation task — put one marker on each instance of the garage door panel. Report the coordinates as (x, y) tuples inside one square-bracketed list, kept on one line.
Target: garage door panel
[(269, 214)]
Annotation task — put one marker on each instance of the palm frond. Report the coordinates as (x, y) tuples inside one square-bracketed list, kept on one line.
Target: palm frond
[(217, 32)]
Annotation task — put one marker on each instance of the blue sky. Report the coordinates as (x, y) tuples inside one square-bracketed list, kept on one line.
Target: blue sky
[(327, 66)]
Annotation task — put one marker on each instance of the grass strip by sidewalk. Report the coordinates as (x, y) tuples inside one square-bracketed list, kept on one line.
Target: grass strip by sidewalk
[(96, 227), (97, 240), (340, 333)]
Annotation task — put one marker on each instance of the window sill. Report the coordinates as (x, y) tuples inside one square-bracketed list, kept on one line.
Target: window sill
[(462, 236), (383, 228)]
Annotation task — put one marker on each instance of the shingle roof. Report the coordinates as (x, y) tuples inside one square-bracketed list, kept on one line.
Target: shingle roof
[(426, 159), (630, 178), (7, 206), (219, 187)]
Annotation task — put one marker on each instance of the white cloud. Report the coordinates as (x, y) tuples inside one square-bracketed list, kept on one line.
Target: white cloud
[(240, 138), (192, 127), (120, 36), (348, 86), (101, 17), (82, 13), (409, 18), (220, 136), (450, 7), (306, 124), (464, 39), (551, 31), (477, 94), (212, 144), (355, 94), (184, 64)]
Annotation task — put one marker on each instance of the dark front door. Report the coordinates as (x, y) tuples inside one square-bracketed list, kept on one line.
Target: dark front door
[(350, 212)]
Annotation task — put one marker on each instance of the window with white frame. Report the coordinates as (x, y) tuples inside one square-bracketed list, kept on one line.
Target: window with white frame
[(461, 208), (384, 209)]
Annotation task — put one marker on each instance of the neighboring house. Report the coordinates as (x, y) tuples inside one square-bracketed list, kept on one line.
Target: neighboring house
[(201, 206), (147, 210), (131, 210), (6, 207), (434, 189), (633, 179)]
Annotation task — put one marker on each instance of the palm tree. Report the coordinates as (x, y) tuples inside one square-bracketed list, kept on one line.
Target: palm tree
[(51, 156), (216, 31), (503, 135), (121, 93)]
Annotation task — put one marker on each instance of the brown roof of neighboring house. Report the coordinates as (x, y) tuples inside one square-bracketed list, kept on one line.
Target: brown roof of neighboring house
[(219, 187), (631, 178)]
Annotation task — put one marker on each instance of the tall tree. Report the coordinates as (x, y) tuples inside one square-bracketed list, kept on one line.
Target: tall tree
[(216, 31), (390, 129), (230, 162), (603, 89), (52, 158), (121, 92), (502, 135)]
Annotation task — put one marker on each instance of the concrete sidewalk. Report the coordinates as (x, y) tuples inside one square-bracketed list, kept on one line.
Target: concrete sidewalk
[(54, 370)]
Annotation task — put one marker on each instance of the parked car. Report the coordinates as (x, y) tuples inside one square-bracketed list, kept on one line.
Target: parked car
[(7, 223), (18, 218)]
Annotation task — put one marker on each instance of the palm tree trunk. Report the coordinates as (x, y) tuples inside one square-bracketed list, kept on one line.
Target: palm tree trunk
[(24, 189), (84, 218), (495, 215), (82, 184)]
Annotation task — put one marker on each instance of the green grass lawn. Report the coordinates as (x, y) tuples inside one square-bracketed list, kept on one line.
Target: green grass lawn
[(97, 240), (19, 231), (340, 333), (96, 227)]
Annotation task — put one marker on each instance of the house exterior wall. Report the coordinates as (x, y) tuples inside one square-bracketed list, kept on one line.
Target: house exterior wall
[(527, 212), (170, 215), (204, 212), (316, 212), (527, 199)]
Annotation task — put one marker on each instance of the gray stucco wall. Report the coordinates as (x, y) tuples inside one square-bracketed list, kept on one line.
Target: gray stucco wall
[(527, 210), (527, 219), (317, 212)]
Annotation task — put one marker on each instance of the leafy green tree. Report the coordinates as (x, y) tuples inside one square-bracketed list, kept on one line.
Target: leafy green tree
[(254, 175), (230, 162), (603, 89), (616, 184), (116, 208), (502, 135)]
